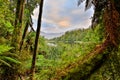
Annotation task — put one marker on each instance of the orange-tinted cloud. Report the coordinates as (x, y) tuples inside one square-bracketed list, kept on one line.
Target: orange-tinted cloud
[(64, 23)]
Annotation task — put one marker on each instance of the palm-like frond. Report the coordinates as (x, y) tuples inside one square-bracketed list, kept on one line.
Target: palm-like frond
[(4, 48), (80, 1), (10, 55), (87, 5), (99, 5), (6, 60), (12, 60)]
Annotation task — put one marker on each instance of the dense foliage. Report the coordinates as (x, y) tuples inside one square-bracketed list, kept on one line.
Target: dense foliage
[(87, 54)]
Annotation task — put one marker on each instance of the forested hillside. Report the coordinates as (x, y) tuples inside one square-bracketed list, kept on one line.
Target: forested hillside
[(84, 35), (81, 54)]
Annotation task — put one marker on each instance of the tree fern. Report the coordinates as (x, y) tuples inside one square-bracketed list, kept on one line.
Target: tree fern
[(7, 58)]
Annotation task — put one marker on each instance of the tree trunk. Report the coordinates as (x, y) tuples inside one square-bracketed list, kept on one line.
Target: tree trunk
[(36, 40), (82, 70), (17, 33), (24, 34), (28, 23)]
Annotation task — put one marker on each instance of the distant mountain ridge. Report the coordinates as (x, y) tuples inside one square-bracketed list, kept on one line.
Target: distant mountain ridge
[(51, 35)]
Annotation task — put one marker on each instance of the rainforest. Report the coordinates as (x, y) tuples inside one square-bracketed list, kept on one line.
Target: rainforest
[(91, 53)]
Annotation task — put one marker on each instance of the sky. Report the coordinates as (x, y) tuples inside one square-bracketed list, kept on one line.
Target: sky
[(63, 15)]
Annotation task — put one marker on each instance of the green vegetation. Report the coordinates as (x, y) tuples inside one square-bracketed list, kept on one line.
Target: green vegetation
[(83, 54)]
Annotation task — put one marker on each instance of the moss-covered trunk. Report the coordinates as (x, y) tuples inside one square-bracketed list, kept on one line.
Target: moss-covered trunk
[(82, 70), (17, 33)]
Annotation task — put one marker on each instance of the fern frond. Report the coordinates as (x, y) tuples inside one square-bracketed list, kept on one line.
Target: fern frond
[(4, 48), (10, 55), (11, 60), (5, 63)]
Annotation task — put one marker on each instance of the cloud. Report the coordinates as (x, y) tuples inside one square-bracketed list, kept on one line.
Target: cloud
[(35, 13), (64, 23), (75, 12), (63, 15), (52, 9)]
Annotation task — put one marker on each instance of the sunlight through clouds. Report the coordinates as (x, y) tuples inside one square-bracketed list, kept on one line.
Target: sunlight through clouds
[(62, 15), (64, 23)]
